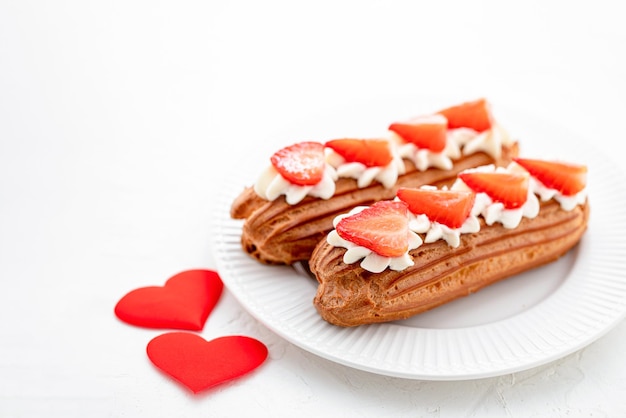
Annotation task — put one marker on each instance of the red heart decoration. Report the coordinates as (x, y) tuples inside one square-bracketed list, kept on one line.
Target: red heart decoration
[(200, 364), (184, 302)]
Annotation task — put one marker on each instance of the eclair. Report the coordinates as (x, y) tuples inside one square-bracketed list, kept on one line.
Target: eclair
[(428, 246), (292, 205)]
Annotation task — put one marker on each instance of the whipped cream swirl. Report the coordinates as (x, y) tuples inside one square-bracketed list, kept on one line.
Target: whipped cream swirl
[(364, 175), (271, 185), (461, 141), (424, 158), (489, 141), (435, 231), (494, 212)]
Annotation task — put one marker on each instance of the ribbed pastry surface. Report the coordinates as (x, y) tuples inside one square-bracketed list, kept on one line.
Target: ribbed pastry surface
[(347, 295)]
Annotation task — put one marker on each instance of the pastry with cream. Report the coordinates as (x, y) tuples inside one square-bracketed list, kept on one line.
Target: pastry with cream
[(396, 258), (292, 205)]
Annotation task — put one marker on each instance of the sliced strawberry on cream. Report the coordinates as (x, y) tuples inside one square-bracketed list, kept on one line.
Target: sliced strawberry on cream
[(297, 171), (311, 168), (474, 115), (566, 178), (510, 189), (440, 214), (447, 207), (369, 152), (471, 126), (423, 140), (365, 160), (301, 164), (562, 181), (501, 195), (382, 228), (427, 132), (378, 234)]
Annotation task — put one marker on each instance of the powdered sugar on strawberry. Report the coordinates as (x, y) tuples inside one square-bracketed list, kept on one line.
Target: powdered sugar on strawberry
[(271, 185), (311, 168)]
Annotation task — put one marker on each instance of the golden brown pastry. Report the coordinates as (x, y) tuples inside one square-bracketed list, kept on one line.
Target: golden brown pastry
[(499, 227)]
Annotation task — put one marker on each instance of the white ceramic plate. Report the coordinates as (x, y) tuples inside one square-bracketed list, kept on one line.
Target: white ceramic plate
[(522, 322)]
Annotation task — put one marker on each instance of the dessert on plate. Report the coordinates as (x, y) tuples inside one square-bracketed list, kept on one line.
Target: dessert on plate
[(306, 185), (430, 245)]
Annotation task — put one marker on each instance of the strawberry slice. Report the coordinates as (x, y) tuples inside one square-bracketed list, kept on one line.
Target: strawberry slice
[(302, 163), (382, 227), (447, 207), (475, 115), (370, 152), (429, 132), (568, 179), (510, 189)]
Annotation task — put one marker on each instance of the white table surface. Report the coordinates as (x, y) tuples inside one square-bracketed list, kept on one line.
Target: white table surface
[(118, 119)]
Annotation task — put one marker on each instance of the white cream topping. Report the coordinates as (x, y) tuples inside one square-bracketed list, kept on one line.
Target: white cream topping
[(459, 141), (546, 193), (424, 158), (458, 138), (387, 175), (489, 141), (567, 202), (371, 261), (435, 231), (271, 185), (494, 212)]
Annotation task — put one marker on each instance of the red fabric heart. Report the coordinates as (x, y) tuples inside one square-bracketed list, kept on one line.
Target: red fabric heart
[(184, 302), (199, 364)]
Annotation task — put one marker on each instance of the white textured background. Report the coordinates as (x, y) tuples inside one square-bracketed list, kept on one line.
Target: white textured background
[(118, 118)]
